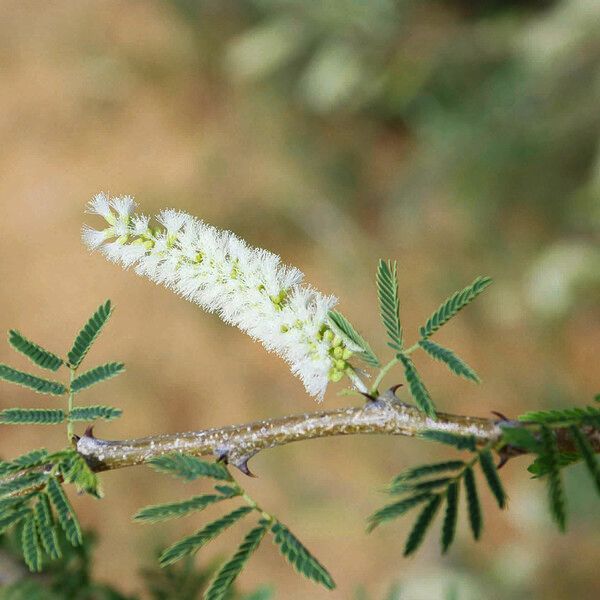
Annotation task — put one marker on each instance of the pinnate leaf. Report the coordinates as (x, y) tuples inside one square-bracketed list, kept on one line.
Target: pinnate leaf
[(96, 375), (453, 362), (88, 334), (453, 305), (37, 384), (227, 574), (38, 355), (299, 557)]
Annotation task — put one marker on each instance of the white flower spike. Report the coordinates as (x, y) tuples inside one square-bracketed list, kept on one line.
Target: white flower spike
[(247, 287)]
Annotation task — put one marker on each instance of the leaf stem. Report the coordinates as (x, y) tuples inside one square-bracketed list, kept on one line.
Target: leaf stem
[(70, 431), (382, 373)]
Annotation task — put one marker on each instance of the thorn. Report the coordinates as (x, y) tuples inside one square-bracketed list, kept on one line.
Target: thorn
[(393, 389), (500, 415), (243, 467), (223, 458), (503, 460), (75, 439), (368, 396), (89, 432)]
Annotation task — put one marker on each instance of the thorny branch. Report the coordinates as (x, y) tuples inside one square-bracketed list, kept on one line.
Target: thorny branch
[(236, 444)]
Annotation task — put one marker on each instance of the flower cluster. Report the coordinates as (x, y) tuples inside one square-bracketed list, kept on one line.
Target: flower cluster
[(247, 287)]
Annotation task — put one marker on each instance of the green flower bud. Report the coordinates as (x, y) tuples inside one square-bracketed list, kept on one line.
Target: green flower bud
[(337, 341), (340, 364), (328, 335), (346, 354), (335, 375), (337, 352)]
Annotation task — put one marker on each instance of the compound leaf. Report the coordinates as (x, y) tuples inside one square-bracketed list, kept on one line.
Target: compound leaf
[(193, 543), (30, 544), (453, 362), (46, 527), (449, 526), (389, 303), (38, 355), (486, 461), (37, 384), (473, 506), (345, 327), (86, 337), (452, 305), (189, 467), (299, 557), (92, 413), (66, 516), (161, 512), (460, 442), (422, 524), (227, 574), (395, 510), (417, 387), (96, 375), (32, 416), (556, 494)]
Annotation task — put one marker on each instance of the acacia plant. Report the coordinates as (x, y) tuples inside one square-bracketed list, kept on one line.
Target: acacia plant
[(251, 289)]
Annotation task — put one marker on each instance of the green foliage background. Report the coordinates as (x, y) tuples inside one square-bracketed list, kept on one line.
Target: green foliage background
[(455, 137)]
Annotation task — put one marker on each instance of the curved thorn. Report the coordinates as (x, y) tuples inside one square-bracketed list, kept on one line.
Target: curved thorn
[(368, 396), (500, 415), (89, 432), (243, 467)]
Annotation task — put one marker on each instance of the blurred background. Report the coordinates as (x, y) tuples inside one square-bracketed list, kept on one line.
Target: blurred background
[(460, 137)]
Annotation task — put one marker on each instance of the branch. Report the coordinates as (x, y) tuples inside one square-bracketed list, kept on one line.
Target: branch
[(238, 443)]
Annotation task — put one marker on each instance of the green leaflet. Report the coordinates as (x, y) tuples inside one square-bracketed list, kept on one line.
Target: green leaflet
[(421, 525), (587, 453), (32, 416), (542, 465), (424, 470), (473, 506), (96, 375), (449, 526), (38, 355), (344, 326), (565, 416), (452, 305), (556, 495), (23, 482), (460, 442), (417, 387), (30, 544), (42, 386), (7, 520), (92, 413), (421, 486), (486, 461), (299, 557), (233, 567), (86, 337), (161, 512), (395, 510), (31, 459), (64, 512), (193, 543), (389, 304), (453, 362), (189, 467), (46, 527)]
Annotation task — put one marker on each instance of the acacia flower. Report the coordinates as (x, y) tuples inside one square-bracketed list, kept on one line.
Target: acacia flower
[(247, 287)]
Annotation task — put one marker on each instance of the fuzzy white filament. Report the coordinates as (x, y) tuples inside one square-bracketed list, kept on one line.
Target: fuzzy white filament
[(247, 287)]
